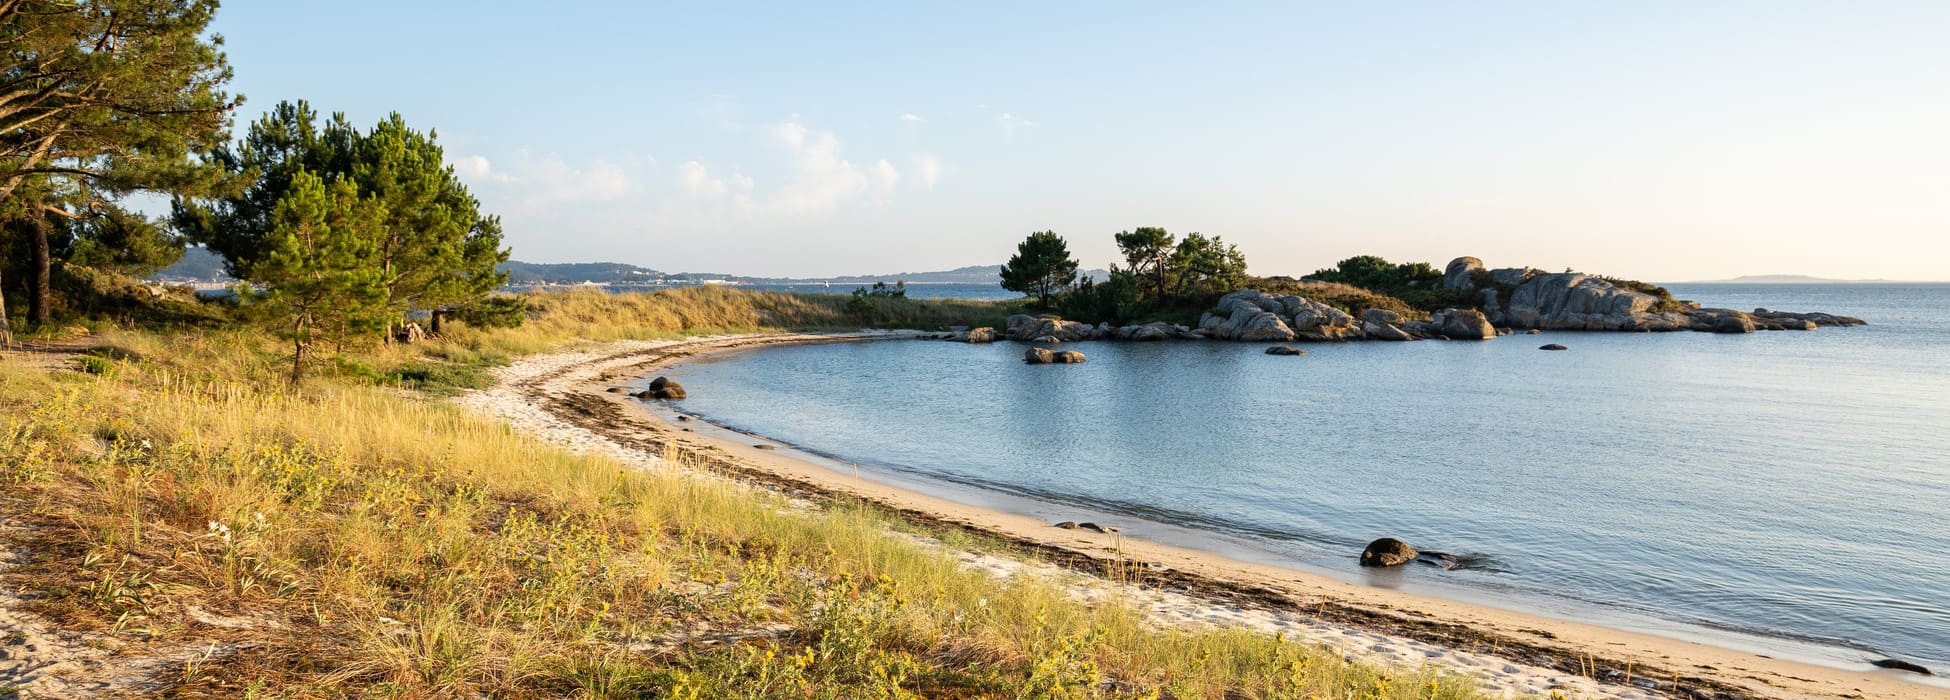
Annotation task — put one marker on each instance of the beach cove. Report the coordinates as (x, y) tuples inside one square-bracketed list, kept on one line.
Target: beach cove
[(566, 398)]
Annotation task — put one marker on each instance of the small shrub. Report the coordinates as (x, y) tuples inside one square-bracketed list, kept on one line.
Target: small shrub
[(90, 364)]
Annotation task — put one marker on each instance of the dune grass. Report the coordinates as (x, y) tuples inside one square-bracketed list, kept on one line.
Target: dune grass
[(346, 539), (556, 317)]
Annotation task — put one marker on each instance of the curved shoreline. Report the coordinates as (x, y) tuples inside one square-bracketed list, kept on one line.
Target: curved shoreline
[(571, 389)]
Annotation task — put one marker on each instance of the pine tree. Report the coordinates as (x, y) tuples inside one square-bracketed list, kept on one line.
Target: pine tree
[(437, 250), (318, 264), (1042, 266), (99, 99)]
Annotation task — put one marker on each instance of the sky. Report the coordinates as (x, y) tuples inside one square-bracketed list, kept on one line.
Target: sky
[(1664, 141)]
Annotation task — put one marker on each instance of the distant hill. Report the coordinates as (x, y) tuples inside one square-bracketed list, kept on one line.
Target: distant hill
[(1786, 279), (600, 272), (197, 265)]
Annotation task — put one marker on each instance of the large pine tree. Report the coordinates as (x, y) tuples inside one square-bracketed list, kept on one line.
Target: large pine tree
[(98, 99), (437, 249)]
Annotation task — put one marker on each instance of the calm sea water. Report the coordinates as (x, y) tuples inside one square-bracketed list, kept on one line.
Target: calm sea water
[(1789, 484)]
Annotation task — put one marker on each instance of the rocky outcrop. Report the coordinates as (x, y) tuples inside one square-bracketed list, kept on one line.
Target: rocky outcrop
[(984, 334), (1388, 551), (1572, 301), (1461, 273), (1384, 331), (1158, 330), (1285, 350), (1462, 324), (1046, 356), (1047, 329), (1382, 316), (1513, 276)]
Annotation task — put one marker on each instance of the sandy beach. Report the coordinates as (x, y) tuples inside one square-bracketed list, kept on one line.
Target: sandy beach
[(566, 398)]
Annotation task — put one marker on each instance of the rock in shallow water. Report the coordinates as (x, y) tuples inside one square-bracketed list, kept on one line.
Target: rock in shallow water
[(1388, 551), (1552, 346), (1285, 350)]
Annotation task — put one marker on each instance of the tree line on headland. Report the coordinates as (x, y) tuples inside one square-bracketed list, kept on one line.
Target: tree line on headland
[(341, 232)]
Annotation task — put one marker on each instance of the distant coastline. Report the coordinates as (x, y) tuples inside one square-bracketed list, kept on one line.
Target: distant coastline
[(1805, 279)]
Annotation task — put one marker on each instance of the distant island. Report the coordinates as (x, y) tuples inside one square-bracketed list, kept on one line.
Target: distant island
[(1796, 279)]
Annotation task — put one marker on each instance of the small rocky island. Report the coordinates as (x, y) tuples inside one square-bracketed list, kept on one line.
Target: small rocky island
[(1507, 300)]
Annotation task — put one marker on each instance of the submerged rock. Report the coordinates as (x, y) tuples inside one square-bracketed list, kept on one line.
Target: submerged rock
[(1039, 356), (1285, 350), (1553, 346), (1388, 551)]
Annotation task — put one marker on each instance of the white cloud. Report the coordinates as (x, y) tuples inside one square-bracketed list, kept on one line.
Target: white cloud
[(929, 167), (885, 177), (911, 117), (821, 179), (1012, 122), (697, 181), (479, 169), (535, 183)]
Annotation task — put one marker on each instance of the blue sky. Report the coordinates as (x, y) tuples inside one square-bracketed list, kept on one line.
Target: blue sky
[(1665, 141)]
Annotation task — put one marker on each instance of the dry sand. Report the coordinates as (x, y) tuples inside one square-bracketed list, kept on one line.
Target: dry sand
[(563, 398)]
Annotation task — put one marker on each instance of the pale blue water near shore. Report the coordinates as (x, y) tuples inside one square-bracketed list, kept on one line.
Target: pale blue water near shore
[(1788, 484)]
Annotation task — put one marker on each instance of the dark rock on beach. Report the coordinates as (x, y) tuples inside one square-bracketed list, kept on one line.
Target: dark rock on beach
[(662, 388), (1901, 665), (1388, 551)]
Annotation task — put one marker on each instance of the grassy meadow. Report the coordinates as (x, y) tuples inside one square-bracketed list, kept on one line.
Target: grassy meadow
[(356, 536)]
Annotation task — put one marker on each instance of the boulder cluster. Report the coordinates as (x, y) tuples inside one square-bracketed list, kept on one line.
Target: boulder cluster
[(1525, 298)]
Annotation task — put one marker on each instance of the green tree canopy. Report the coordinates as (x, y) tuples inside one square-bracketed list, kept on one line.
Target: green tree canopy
[(437, 251), (316, 263), (98, 99), (1042, 266), (1147, 252), (1207, 264)]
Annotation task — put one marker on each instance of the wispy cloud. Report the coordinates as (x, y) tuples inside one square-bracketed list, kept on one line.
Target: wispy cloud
[(821, 178), (537, 182), (929, 169), (911, 118)]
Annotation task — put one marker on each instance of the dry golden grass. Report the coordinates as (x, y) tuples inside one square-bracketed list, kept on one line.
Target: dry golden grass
[(379, 544)]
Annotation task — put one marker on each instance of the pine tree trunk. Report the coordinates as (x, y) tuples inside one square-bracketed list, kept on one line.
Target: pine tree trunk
[(433, 325), (6, 327), (39, 295)]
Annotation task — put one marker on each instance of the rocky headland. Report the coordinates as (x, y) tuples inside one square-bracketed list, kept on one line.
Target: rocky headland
[(1507, 300)]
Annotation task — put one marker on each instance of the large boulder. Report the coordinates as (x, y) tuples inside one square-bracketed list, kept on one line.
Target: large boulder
[(1382, 316), (1156, 330), (1264, 327), (1384, 331), (662, 388), (1388, 551), (1513, 276), (984, 334), (1572, 301), (1722, 321), (1046, 356), (1461, 273), (1462, 324)]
